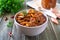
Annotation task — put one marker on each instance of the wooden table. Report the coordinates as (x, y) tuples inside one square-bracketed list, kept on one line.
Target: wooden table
[(52, 32)]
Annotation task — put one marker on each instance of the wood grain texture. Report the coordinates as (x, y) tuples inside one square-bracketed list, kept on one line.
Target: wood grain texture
[(48, 34), (52, 32)]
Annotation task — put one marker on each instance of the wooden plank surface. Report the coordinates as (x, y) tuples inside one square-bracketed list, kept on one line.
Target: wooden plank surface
[(52, 32), (4, 30), (48, 34), (56, 28)]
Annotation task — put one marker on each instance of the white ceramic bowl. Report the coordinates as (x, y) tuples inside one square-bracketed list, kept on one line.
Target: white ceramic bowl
[(32, 31)]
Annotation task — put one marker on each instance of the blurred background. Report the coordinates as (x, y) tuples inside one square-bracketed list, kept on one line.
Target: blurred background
[(58, 1)]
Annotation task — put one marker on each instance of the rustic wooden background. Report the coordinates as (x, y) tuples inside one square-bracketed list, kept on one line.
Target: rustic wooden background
[(52, 32)]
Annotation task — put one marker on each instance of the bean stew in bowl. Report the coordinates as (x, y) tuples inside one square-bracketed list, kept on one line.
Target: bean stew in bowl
[(32, 18), (31, 22)]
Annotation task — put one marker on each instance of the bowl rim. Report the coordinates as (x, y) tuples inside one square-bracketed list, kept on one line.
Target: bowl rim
[(31, 27)]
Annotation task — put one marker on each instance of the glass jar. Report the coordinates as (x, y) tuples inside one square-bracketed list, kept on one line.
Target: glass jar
[(47, 4)]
